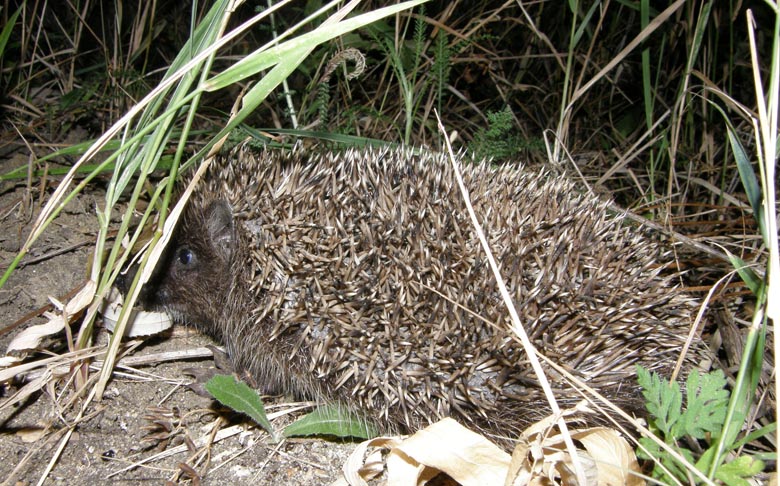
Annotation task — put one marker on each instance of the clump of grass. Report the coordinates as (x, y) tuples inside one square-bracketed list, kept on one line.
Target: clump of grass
[(405, 62)]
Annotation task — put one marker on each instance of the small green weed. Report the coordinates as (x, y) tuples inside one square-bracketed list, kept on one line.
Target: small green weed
[(702, 419), (500, 140), (240, 397), (330, 420)]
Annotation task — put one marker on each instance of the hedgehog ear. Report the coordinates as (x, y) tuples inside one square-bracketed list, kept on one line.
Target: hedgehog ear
[(219, 223)]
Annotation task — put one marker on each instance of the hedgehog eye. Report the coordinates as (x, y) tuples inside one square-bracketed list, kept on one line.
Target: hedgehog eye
[(185, 256)]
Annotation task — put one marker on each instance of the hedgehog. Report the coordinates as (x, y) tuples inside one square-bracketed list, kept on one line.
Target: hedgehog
[(357, 278)]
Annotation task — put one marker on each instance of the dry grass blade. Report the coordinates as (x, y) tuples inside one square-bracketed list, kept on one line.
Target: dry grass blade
[(631, 46), (517, 326)]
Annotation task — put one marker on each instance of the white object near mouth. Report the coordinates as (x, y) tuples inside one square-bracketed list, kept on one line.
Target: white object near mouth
[(141, 323)]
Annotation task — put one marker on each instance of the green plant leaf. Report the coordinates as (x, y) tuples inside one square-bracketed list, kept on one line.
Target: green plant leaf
[(652, 451), (332, 420), (585, 23), (239, 397), (744, 388), (663, 401), (746, 172), (734, 473), (753, 281), (707, 400), (8, 28), (748, 177)]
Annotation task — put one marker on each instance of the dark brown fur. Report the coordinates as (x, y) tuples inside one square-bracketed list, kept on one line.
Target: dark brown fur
[(323, 276)]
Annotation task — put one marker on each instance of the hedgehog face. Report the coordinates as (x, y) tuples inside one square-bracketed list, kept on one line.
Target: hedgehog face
[(192, 281)]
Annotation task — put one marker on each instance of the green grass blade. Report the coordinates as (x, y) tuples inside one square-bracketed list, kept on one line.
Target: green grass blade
[(745, 385), (749, 179), (753, 281), (259, 61), (585, 23), (5, 34)]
